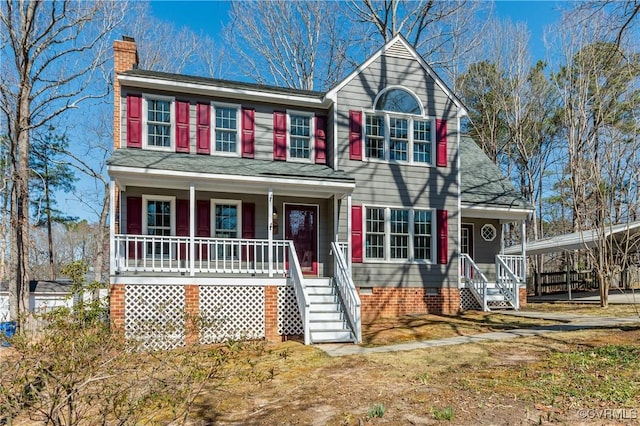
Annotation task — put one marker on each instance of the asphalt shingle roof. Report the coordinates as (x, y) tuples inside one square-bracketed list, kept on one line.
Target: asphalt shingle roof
[(215, 82), (482, 183), (178, 162)]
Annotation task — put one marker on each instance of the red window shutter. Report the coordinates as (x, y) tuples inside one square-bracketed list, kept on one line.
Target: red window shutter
[(203, 135), (182, 126), (356, 234), (182, 226), (248, 220), (443, 237), (182, 218), (203, 218), (441, 143), (279, 135), (248, 132), (355, 135), (134, 121), (321, 139), (248, 228), (134, 225)]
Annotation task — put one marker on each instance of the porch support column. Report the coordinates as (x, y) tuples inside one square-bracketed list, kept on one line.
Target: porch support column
[(112, 228), (192, 229), (270, 232), (336, 218), (349, 238)]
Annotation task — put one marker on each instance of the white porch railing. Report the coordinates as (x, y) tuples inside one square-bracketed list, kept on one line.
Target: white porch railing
[(152, 253), (507, 279), (348, 292), (296, 279), (474, 280)]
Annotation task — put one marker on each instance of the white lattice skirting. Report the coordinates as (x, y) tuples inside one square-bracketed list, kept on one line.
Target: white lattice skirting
[(155, 315), (467, 301)]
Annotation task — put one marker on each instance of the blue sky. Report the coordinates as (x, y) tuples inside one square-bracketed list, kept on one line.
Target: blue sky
[(210, 16)]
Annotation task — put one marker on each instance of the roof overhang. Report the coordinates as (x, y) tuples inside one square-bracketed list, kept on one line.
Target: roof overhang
[(289, 99), (575, 240), (290, 185), (504, 214)]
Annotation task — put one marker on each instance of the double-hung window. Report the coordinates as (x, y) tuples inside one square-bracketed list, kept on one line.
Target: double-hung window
[(395, 234), (226, 128), (158, 221), (300, 136), (398, 130), (226, 224), (159, 126)]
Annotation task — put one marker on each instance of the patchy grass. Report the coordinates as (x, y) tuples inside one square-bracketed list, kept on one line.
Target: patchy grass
[(408, 328), (587, 309)]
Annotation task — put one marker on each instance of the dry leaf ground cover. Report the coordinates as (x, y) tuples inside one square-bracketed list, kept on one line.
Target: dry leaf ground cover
[(579, 377)]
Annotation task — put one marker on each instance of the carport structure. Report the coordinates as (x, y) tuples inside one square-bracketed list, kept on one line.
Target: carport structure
[(625, 247)]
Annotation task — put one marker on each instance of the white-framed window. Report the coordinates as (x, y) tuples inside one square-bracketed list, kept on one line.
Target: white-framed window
[(158, 219), (159, 122), (488, 232), (397, 129), (226, 129), (399, 234), (300, 139), (226, 218)]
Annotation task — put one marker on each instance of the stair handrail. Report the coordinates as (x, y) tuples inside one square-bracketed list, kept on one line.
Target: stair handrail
[(348, 292), (475, 280), (296, 279), (508, 282)]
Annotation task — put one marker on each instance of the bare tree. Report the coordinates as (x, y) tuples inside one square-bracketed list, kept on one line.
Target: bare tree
[(302, 45), (598, 87), (164, 47), (55, 52), (443, 32)]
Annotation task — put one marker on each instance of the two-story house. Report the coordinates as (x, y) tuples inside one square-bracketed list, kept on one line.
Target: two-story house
[(266, 212)]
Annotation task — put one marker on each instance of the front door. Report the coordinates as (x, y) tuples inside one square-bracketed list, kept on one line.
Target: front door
[(466, 242), (301, 227)]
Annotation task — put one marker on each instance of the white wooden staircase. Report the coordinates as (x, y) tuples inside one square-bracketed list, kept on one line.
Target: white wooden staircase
[(501, 293), (327, 319)]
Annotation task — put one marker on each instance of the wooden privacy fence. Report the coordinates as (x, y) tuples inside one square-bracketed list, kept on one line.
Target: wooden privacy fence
[(554, 282)]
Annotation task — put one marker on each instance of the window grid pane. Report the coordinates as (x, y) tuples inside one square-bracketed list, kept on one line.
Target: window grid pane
[(374, 140), (375, 233), (422, 234), (226, 220), (158, 223), (158, 123), (422, 141), (226, 129), (300, 136), (399, 239)]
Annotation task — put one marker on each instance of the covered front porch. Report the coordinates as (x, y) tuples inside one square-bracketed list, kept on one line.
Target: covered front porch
[(248, 228)]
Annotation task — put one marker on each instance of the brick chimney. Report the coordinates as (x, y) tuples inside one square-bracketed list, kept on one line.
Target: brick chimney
[(125, 57)]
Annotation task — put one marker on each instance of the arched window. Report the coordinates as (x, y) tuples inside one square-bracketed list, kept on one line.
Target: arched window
[(398, 100), (397, 128)]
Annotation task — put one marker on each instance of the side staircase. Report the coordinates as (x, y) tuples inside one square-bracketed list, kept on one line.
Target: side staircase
[(327, 319), (500, 293)]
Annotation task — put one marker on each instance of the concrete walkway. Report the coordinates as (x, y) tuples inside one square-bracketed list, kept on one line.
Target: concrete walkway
[(571, 322)]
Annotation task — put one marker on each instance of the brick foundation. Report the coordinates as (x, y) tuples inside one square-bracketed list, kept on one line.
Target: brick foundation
[(271, 314), (393, 302), (192, 312), (522, 296), (116, 306)]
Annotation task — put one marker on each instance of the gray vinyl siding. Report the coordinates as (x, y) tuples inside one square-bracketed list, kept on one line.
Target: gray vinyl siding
[(325, 215), (392, 184), (484, 252), (263, 120)]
